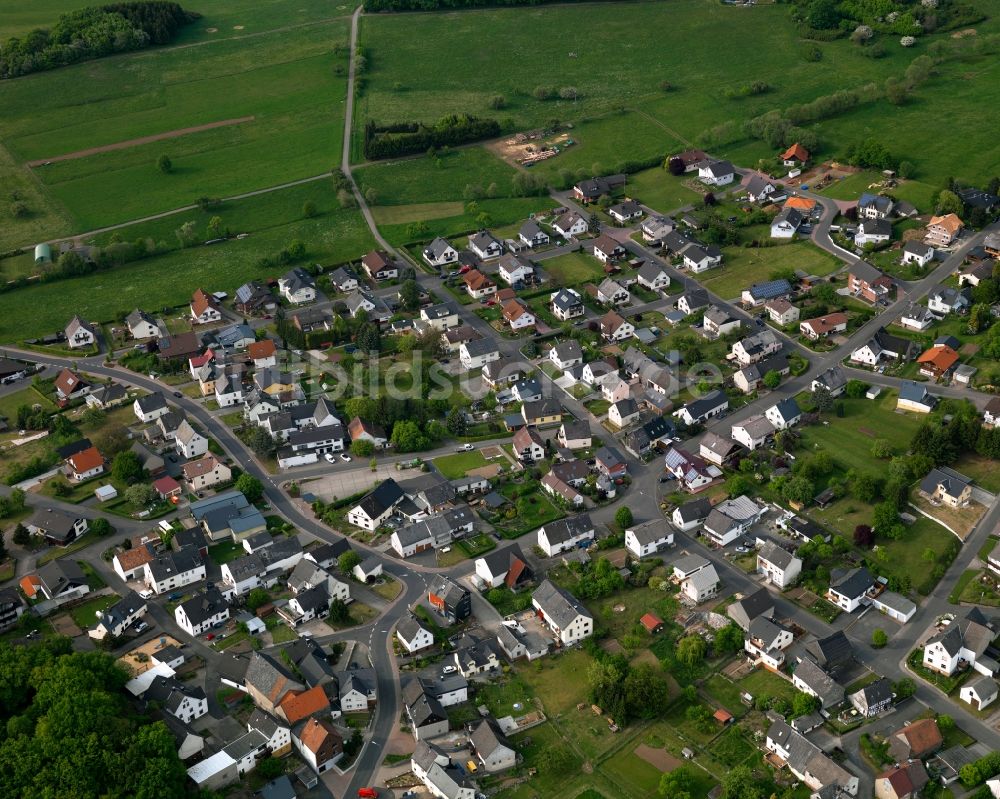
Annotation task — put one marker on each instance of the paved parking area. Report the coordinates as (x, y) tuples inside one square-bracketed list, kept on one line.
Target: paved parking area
[(344, 484)]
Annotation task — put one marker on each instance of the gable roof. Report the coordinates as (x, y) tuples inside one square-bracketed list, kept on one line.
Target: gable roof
[(558, 604)]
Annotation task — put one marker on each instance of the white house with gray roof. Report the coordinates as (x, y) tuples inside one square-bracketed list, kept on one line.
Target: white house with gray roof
[(778, 565), (566, 534), (569, 621), (440, 253)]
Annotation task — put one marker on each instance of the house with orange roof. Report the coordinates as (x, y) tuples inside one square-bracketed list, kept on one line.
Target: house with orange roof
[(167, 487), (297, 706), (478, 285), (129, 564), (204, 308), (85, 464), (803, 205), (938, 361), (69, 385), (263, 353), (206, 472), (943, 230), (319, 744), (823, 326), (795, 156), (517, 315)]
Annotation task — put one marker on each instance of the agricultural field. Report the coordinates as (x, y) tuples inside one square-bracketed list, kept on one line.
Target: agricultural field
[(332, 236), (619, 98), (276, 99)]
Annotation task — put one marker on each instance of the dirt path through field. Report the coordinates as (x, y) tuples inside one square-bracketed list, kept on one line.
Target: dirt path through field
[(123, 145)]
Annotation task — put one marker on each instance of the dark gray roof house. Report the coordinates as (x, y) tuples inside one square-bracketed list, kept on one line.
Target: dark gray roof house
[(833, 653), (745, 610)]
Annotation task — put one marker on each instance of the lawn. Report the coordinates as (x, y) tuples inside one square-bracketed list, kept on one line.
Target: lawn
[(456, 465), (982, 470), (660, 190), (226, 552), (573, 268), (85, 615), (761, 682), (742, 267), (167, 280), (533, 511), (9, 403), (283, 634), (285, 80)]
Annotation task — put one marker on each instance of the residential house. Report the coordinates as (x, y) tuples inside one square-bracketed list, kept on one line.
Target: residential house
[(730, 519), (228, 390), (653, 276), (752, 606), (867, 282), (555, 486), (528, 445), (833, 653), (106, 396), (376, 506), (943, 230), (625, 211), (760, 293), (506, 567), (58, 581), (542, 413), (904, 781), (441, 317), (781, 312), (756, 347), (917, 317), (808, 763), (566, 304), (848, 588), (179, 347), (567, 354), (693, 473), (491, 747), (173, 570), (227, 515), (360, 430), (963, 642), (610, 463), (80, 333), (648, 538), (702, 585), (979, 692), (413, 636), (380, 266), (717, 449), (569, 621), (70, 386), (875, 206), (779, 566), (263, 353), (440, 253), (57, 527), (872, 699), (823, 326), (502, 371), (202, 612), (319, 744), (883, 345), (917, 252), (485, 245), (750, 378), (760, 189), (872, 231), (478, 285), (449, 599), (698, 411), (833, 380), (297, 286), (915, 741), (718, 321), (809, 678), (946, 300), (476, 354), (343, 280), (589, 190), (755, 431), (766, 641), (937, 362), (440, 777), (189, 442), (616, 328), (204, 308), (655, 228), (141, 325), (692, 301), (119, 617), (527, 390), (570, 224), (700, 259), (312, 320), (688, 516), (515, 271), (532, 234), (787, 223), (566, 534), (517, 315), (84, 465), (991, 413), (795, 156), (784, 413), (606, 250), (574, 435), (716, 173), (690, 159), (915, 397)]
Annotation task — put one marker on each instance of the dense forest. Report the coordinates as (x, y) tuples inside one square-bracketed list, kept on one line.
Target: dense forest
[(68, 730), (93, 33)]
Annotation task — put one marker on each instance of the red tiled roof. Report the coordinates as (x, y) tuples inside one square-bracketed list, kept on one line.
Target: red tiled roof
[(166, 486), (796, 151), (86, 460), (298, 706), (651, 621), (264, 348), (30, 584), (201, 302), (940, 356)]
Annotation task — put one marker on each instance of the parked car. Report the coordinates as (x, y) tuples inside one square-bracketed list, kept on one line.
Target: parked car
[(466, 448), (178, 394), (210, 637), (141, 627), (449, 670), (345, 457), (174, 596), (329, 458)]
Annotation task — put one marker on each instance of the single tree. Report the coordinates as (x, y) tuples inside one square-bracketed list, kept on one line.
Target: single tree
[(164, 164), (772, 379), (250, 487), (348, 561), (623, 517), (879, 638)]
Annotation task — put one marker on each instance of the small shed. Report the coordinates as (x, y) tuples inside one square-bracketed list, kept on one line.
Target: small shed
[(873, 392), (723, 717), (368, 570), (652, 623), (43, 254), (105, 492)]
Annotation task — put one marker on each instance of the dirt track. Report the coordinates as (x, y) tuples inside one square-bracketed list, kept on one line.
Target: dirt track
[(123, 145)]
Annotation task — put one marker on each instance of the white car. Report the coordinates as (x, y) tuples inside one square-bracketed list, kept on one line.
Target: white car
[(449, 670), (345, 457), (329, 458), (466, 448), (145, 594)]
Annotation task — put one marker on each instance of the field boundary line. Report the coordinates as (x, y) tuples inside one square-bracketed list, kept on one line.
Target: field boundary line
[(124, 145)]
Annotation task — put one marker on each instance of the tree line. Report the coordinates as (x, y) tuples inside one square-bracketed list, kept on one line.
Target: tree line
[(408, 138), (372, 6), (93, 32)]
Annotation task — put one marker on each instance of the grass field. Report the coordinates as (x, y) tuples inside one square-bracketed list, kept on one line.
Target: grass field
[(982, 470), (573, 268), (333, 236), (456, 465), (85, 615), (285, 79), (660, 190), (742, 267)]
